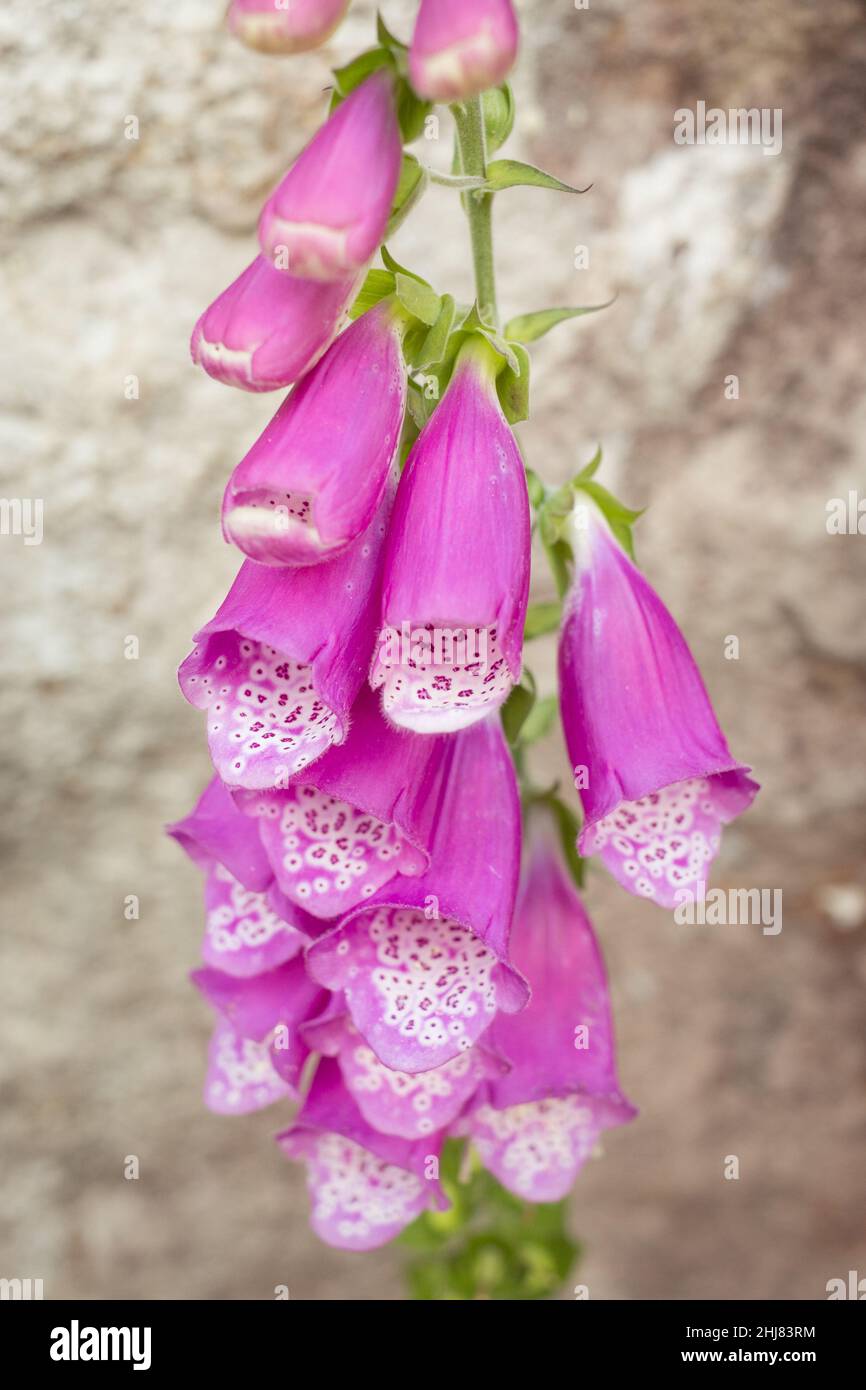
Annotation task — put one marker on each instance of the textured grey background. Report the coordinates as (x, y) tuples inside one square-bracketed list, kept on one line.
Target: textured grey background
[(725, 261)]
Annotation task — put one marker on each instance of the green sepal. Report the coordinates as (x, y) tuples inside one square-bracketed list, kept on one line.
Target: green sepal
[(541, 619), (434, 347), (619, 518), (412, 112), (497, 105), (352, 74), (378, 285), (411, 186), (513, 386), (386, 38), (528, 328), (513, 173), (536, 488), (518, 707)]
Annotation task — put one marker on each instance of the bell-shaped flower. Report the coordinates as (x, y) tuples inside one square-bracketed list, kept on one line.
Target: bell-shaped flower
[(462, 47), (424, 964), (279, 666), (328, 215), (313, 480), (267, 1010), (541, 1120), (652, 766), (365, 1187), (285, 26), (267, 329), (354, 820), (456, 577)]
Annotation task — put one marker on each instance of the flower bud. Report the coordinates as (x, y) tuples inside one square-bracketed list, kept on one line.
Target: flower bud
[(285, 26), (266, 330), (313, 480), (461, 47), (326, 218)]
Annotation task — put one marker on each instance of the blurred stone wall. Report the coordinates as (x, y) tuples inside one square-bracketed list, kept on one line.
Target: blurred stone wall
[(725, 261)]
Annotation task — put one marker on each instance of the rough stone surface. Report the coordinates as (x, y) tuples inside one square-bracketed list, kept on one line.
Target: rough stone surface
[(725, 262)]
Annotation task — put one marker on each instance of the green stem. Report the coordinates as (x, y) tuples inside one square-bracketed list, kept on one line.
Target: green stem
[(472, 146)]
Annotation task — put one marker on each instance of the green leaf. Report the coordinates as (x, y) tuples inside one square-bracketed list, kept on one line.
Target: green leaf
[(513, 173), (420, 300), (352, 74), (542, 618), (377, 285), (410, 187), (591, 468), (513, 386), (517, 707), (540, 719), (528, 328)]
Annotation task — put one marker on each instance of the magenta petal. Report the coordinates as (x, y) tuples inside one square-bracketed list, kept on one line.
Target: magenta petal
[(286, 28), (280, 665), (267, 329), (422, 988), (654, 771), (244, 936), (240, 1077), (456, 578), (330, 212), (411, 1106), (217, 830), (462, 47), (536, 1150), (362, 816), (281, 999), (312, 482), (365, 1187)]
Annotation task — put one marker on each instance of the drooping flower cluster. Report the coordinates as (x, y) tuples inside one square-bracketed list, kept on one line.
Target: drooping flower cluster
[(370, 949)]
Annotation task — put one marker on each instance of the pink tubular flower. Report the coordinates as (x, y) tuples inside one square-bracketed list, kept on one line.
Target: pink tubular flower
[(313, 480), (654, 772), (267, 329), (365, 1187), (461, 47), (456, 577), (285, 26), (424, 964), (326, 218), (356, 819), (279, 666), (542, 1118)]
